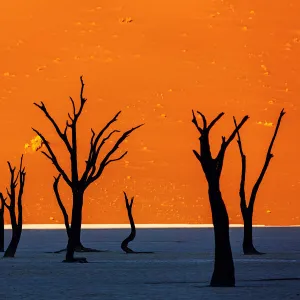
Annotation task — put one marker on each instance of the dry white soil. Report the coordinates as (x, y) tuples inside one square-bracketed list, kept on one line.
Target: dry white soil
[(180, 268)]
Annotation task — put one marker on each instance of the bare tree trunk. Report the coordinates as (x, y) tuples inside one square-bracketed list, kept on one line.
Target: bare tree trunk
[(2, 230), (74, 239), (78, 245), (16, 235), (223, 274), (248, 247), (13, 245)]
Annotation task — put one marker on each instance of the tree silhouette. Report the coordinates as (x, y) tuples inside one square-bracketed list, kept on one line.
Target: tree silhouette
[(15, 198), (91, 173), (130, 238), (2, 223), (247, 210), (223, 274)]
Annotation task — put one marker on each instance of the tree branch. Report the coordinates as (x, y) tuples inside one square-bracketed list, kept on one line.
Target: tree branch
[(128, 205), (214, 121), (115, 159), (269, 156), (53, 158), (74, 109), (93, 156), (62, 135), (21, 175), (96, 153), (60, 203), (82, 102), (3, 201), (205, 127), (198, 156), (205, 154), (194, 121), (12, 193), (220, 157), (107, 159), (203, 120), (242, 193)]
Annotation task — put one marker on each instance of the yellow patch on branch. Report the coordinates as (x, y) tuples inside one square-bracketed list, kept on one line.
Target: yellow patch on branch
[(35, 144)]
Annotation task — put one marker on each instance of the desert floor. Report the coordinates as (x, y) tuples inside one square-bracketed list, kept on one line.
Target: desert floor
[(180, 268), (156, 61)]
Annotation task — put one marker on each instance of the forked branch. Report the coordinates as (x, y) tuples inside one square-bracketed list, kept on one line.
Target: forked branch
[(95, 148), (71, 146), (62, 135), (83, 100), (107, 159), (205, 128), (205, 153), (205, 156), (225, 143), (51, 156)]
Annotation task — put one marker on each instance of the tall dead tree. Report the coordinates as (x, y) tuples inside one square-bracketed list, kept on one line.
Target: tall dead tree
[(223, 274), (2, 223), (247, 210), (15, 199), (91, 173)]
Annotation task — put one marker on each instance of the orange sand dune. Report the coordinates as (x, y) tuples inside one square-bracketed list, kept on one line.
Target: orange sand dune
[(155, 61)]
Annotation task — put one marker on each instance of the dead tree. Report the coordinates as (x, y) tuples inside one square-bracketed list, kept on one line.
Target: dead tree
[(130, 238), (91, 173), (2, 223), (15, 198), (247, 210), (223, 274)]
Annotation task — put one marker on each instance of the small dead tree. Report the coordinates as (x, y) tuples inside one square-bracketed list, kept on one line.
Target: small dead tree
[(91, 173), (247, 210), (223, 274), (15, 198), (130, 238), (2, 223)]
